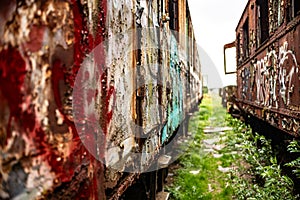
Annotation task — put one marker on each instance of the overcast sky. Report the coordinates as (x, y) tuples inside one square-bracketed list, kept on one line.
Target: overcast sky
[(214, 24)]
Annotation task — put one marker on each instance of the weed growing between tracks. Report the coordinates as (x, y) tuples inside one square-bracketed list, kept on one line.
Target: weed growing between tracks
[(245, 168)]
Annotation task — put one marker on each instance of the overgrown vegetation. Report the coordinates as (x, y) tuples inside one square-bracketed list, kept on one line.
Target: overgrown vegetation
[(258, 175), (254, 172), (294, 148)]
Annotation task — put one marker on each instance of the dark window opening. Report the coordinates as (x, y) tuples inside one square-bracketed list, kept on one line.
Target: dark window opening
[(246, 39), (238, 49), (289, 11), (263, 21), (173, 11), (293, 9), (296, 7)]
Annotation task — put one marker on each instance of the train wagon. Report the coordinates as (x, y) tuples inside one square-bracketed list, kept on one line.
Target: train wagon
[(226, 93), (268, 56), (92, 95)]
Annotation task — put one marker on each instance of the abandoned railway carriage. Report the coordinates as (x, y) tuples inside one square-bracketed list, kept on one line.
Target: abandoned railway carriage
[(90, 92), (268, 56)]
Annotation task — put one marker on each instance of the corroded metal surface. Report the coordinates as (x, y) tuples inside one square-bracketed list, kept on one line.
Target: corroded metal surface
[(268, 56), (146, 82)]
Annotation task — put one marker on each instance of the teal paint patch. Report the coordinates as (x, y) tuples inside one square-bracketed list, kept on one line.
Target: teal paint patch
[(175, 106)]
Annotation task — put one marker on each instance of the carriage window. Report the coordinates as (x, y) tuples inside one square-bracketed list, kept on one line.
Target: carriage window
[(293, 9), (296, 7), (276, 14), (173, 11), (280, 12), (263, 21), (238, 50), (246, 39)]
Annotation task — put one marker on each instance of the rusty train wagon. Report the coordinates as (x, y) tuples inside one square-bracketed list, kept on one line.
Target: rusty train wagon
[(226, 93), (91, 95), (268, 55)]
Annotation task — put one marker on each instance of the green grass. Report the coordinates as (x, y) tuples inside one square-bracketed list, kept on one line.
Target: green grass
[(209, 183), (256, 174)]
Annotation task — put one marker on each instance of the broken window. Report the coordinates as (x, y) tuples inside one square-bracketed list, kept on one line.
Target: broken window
[(239, 49), (276, 14), (173, 11), (246, 39), (296, 7), (293, 9), (280, 15), (289, 11), (263, 21)]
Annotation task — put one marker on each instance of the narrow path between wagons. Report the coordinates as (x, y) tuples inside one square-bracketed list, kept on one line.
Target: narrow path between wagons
[(202, 171), (224, 159)]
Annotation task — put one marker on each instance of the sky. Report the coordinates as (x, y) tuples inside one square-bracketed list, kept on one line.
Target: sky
[(214, 23)]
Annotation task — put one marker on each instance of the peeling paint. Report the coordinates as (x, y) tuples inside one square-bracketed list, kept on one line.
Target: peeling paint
[(54, 129)]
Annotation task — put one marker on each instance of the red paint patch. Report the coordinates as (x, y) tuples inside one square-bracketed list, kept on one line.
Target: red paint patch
[(36, 37), (12, 75), (85, 43)]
